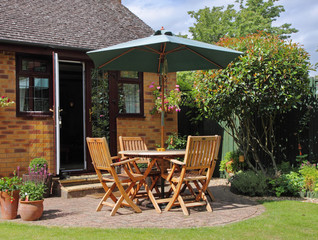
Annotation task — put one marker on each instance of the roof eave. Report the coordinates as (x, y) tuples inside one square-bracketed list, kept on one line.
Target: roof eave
[(52, 46)]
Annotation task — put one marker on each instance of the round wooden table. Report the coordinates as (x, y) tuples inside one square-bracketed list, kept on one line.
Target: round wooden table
[(155, 155)]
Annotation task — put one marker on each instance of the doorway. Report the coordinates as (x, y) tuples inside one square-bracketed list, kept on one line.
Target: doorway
[(72, 120)]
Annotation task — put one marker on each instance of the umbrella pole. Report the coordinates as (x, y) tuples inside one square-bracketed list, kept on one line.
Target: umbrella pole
[(162, 144)]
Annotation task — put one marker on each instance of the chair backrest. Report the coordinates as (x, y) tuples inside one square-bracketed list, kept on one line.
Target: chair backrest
[(99, 151), (201, 151), (133, 143)]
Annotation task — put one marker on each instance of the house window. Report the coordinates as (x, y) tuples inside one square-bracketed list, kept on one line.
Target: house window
[(130, 93), (34, 86)]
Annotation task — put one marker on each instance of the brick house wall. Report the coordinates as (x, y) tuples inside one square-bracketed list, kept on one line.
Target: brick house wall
[(21, 139), (149, 126), (24, 138)]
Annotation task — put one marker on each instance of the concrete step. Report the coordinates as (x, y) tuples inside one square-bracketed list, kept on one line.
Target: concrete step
[(79, 186), (81, 190)]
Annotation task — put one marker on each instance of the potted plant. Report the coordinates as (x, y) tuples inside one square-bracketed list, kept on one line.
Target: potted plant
[(31, 200), (38, 172), (9, 196)]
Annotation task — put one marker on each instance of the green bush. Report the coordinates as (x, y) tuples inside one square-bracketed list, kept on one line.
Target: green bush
[(235, 166), (310, 174), (287, 184), (37, 164), (176, 141), (249, 183)]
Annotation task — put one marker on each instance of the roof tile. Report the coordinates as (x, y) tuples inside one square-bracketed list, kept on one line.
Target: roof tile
[(84, 24)]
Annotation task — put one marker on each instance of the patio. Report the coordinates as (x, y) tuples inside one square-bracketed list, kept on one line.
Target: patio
[(80, 212)]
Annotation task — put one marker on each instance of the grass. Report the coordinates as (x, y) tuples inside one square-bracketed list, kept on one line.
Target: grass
[(282, 220)]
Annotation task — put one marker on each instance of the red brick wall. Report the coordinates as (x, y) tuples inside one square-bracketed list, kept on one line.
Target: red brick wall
[(149, 127), (21, 139)]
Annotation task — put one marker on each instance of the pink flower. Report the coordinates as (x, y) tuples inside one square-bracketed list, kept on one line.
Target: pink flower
[(151, 86), (158, 87), (177, 86)]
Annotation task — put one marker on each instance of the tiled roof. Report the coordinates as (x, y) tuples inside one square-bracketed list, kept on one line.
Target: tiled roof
[(84, 24)]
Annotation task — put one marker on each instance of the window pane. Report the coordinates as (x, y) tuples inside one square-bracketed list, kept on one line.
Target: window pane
[(128, 74), (24, 93), (41, 94), (129, 100), (34, 65)]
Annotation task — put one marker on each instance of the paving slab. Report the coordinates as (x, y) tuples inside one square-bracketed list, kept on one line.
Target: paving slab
[(81, 212)]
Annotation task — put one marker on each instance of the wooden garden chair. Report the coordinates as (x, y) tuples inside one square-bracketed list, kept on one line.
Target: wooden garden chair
[(138, 143), (102, 161), (197, 168)]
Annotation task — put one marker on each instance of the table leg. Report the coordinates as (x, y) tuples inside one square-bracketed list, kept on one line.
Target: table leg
[(162, 188)]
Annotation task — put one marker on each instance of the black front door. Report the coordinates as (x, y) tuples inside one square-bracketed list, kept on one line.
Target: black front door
[(72, 155)]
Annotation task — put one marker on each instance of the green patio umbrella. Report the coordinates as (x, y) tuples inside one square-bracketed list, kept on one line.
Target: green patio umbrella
[(162, 53)]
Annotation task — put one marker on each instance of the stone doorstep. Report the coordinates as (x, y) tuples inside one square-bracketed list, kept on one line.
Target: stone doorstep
[(80, 186)]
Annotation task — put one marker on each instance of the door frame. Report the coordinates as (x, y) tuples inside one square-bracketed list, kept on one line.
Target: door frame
[(57, 110)]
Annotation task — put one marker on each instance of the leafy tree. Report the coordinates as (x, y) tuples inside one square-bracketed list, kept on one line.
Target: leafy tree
[(251, 16), (269, 79)]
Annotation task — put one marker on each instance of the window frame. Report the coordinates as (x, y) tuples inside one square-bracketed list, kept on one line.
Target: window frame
[(139, 81), (32, 75)]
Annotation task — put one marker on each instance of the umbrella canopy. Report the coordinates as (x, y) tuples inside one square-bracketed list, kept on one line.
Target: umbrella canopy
[(162, 52), (148, 54)]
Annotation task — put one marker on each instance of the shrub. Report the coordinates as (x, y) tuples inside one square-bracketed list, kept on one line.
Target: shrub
[(287, 184), (37, 164), (176, 141), (310, 175), (231, 163), (249, 183)]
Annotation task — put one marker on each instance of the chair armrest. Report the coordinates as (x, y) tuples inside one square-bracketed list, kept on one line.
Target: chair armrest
[(117, 158), (124, 162), (177, 162)]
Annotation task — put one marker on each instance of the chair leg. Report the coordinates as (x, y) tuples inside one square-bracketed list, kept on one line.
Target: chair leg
[(209, 192), (154, 181), (208, 206), (107, 194), (152, 198), (201, 194), (124, 196), (176, 191), (106, 188)]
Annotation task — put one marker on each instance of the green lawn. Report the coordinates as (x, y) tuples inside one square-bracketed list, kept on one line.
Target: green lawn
[(282, 220)]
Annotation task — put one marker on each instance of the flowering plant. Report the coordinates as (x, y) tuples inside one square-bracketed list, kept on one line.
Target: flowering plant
[(172, 99), (38, 171), (5, 101), (32, 191), (10, 184)]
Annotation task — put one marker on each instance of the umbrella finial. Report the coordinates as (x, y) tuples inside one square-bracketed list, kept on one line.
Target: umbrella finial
[(162, 28)]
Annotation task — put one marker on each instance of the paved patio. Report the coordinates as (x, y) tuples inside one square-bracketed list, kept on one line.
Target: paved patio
[(80, 212)]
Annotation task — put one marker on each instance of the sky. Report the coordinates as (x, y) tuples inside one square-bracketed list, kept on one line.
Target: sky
[(173, 15)]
